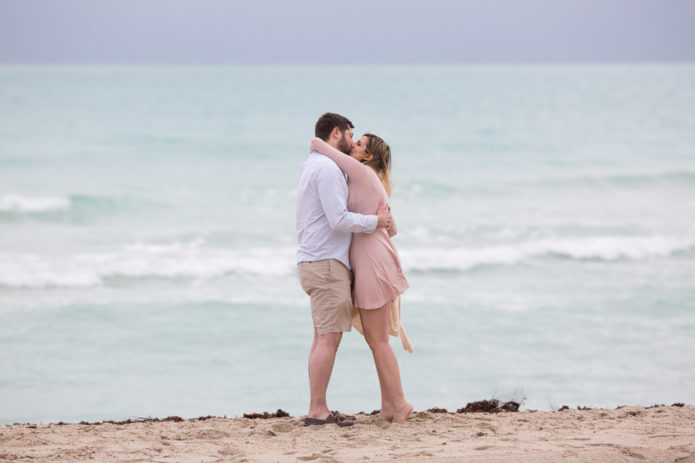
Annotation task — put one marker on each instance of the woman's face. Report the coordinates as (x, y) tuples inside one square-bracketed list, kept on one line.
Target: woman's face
[(359, 149)]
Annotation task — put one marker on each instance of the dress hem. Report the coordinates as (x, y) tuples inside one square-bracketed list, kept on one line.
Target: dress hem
[(397, 293)]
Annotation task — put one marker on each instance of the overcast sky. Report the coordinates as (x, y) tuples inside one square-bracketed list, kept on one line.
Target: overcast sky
[(361, 31)]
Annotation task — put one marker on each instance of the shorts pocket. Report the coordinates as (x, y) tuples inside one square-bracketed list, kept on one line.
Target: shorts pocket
[(313, 275)]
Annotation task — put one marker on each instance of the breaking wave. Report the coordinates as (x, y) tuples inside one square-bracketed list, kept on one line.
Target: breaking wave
[(195, 261), (598, 249), (142, 261), (19, 204), (69, 208)]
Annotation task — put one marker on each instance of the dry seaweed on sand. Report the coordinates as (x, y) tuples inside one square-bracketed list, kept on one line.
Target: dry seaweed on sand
[(265, 415), (342, 416), (175, 419), (437, 410), (490, 406)]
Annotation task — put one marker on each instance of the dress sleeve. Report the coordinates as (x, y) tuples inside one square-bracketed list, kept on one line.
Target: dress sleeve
[(352, 167)]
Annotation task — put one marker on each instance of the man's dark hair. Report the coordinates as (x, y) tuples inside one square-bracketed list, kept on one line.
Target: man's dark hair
[(328, 122)]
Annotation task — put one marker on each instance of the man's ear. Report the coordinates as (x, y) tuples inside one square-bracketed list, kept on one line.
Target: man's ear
[(335, 133)]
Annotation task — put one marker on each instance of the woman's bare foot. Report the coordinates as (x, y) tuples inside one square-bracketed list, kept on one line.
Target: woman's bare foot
[(400, 415), (386, 415)]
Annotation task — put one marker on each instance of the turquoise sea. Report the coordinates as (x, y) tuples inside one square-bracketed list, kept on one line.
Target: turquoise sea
[(546, 225)]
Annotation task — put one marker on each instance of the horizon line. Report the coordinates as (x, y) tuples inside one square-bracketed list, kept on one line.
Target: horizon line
[(339, 65)]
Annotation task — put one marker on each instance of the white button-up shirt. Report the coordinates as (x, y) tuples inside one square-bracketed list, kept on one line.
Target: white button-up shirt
[(324, 225)]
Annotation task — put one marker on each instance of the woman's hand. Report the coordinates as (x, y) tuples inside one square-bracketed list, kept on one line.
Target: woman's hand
[(315, 144)]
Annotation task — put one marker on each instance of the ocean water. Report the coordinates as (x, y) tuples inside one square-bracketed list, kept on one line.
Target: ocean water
[(546, 225)]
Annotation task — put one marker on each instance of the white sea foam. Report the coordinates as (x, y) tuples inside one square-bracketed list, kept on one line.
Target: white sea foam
[(195, 261), (610, 248), (140, 261), (34, 271), (25, 204)]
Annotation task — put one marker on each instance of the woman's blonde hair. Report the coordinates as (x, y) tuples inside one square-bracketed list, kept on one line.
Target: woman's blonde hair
[(380, 160)]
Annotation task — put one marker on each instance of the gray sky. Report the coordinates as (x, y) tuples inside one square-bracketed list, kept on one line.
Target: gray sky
[(360, 31)]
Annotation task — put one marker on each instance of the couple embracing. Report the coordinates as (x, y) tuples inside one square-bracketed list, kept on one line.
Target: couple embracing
[(347, 263)]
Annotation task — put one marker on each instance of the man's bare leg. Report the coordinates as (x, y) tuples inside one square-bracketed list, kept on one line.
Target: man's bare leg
[(321, 360)]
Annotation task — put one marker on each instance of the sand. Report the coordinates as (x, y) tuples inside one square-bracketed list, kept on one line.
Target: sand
[(628, 434)]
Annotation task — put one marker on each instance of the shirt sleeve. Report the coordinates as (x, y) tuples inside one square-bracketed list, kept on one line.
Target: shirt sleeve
[(333, 193)]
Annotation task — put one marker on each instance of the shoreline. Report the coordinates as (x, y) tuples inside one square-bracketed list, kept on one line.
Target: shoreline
[(492, 406), (629, 433)]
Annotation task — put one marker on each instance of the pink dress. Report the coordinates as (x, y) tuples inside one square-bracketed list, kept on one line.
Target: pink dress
[(379, 278)]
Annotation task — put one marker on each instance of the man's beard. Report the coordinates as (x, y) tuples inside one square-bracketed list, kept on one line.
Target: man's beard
[(344, 145)]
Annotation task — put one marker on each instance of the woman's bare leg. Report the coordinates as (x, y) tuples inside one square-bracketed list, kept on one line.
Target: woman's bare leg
[(375, 325)]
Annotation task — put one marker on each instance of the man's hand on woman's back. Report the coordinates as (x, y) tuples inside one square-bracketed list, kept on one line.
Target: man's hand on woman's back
[(383, 212)]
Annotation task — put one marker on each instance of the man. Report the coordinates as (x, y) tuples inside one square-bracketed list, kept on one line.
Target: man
[(324, 232)]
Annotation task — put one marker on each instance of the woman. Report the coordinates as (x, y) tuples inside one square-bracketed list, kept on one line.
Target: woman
[(379, 279)]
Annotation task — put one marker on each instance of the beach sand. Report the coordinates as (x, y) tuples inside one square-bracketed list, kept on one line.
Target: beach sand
[(627, 434)]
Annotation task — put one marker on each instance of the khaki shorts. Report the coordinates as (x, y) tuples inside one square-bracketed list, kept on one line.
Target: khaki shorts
[(327, 282)]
